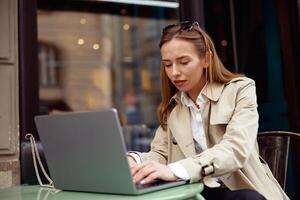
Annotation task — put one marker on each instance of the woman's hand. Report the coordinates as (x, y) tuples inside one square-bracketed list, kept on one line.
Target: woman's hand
[(148, 171), (131, 161)]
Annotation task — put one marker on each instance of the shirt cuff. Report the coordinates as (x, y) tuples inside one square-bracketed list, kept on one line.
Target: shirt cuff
[(179, 171), (135, 156)]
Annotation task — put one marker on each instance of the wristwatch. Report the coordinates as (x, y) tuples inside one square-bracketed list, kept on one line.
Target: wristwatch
[(208, 170)]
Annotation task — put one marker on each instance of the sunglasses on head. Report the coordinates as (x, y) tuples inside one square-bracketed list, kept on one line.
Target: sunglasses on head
[(185, 26)]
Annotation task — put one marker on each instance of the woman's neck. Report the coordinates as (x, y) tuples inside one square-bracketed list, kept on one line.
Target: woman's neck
[(193, 94)]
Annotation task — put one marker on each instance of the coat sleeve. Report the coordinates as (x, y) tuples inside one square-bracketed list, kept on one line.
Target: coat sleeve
[(159, 148), (238, 142)]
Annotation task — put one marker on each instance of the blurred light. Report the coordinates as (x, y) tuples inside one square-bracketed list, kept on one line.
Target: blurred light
[(126, 27), (80, 41), (224, 43), (96, 46), (82, 21), (123, 11), (165, 4)]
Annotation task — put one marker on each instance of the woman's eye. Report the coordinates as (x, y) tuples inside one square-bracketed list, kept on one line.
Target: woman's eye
[(184, 62), (167, 65)]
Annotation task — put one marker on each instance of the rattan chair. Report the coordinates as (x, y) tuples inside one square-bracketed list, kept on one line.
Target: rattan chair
[(274, 149)]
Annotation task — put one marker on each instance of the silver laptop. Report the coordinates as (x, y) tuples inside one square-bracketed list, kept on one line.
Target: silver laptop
[(85, 151)]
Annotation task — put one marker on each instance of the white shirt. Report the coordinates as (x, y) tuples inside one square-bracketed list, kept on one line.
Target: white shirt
[(197, 130), (196, 119)]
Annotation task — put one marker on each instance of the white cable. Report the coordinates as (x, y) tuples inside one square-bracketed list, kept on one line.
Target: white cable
[(35, 155), (40, 162)]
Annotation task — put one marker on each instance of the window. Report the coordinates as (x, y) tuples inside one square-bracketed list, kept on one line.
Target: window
[(94, 56), (98, 56)]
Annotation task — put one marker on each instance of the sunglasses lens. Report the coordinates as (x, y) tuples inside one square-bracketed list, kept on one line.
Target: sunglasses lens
[(186, 26)]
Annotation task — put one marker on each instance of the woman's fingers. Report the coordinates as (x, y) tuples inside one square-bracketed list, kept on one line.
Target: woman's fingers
[(131, 161), (134, 169), (143, 171), (150, 170), (150, 178)]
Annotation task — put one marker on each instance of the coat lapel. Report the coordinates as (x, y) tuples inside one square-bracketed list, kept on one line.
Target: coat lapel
[(213, 91), (206, 122), (179, 119), (180, 126)]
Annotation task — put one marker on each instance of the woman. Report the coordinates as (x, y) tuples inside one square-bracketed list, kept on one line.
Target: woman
[(208, 123)]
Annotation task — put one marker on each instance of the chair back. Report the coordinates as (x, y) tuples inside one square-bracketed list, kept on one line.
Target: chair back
[(274, 149)]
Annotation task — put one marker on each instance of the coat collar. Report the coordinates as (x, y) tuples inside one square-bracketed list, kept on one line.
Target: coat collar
[(213, 91)]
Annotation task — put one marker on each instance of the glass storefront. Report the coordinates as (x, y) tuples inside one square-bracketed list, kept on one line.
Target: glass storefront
[(97, 60), (94, 56)]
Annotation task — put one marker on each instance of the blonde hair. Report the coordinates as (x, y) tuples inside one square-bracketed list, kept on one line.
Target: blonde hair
[(215, 72)]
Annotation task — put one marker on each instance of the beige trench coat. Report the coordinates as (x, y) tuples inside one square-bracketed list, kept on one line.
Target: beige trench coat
[(231, 124)]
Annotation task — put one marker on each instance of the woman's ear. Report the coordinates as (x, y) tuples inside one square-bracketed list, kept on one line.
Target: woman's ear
[(207, 59), (205, 65)]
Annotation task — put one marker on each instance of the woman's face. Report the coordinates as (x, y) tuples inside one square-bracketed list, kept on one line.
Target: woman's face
[(183, 66)]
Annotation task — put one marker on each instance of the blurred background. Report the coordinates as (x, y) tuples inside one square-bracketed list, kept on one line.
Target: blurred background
[(75, 55)]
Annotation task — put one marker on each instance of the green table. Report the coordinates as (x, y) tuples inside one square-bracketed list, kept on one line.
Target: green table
[(25, 192)]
